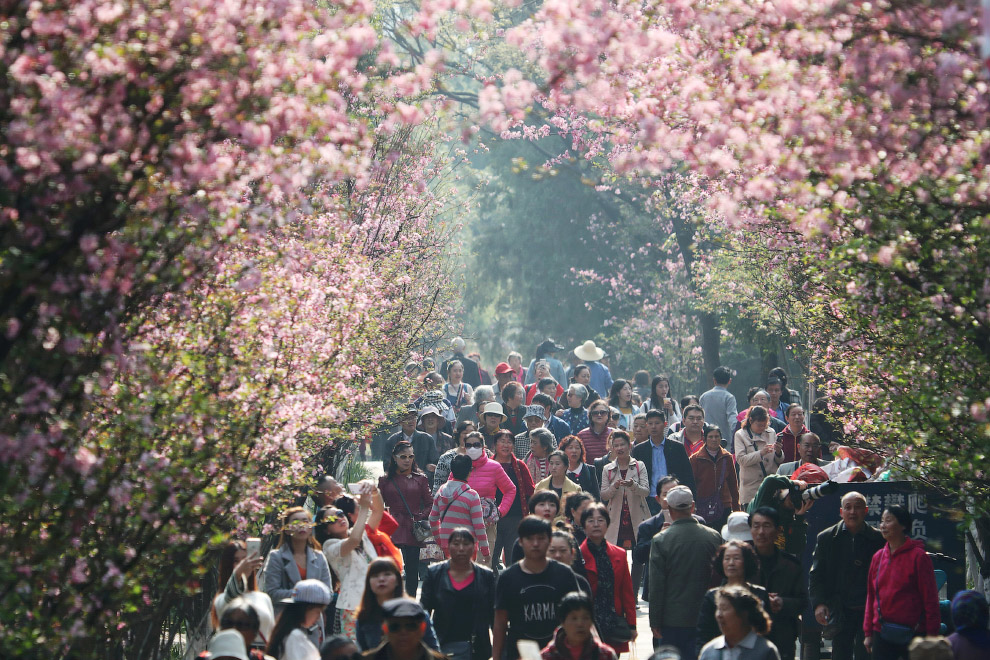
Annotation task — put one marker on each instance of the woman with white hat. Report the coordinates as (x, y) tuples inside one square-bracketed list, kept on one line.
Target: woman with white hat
[(738, 566), (601, 377), (303, 610)]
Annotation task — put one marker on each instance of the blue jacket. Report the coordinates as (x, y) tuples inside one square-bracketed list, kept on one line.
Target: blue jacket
[(601, 378)]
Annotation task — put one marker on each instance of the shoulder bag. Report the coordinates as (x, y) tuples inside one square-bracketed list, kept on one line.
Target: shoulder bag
[(711, 507), (420, 528)]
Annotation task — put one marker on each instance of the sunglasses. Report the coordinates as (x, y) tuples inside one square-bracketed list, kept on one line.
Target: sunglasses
[(405, 456), (600, 413), (333, 516), (615, 417), (403, 626), (476, 445)]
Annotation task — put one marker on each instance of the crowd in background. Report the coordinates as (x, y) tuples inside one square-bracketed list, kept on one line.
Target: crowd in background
[(528, 512)]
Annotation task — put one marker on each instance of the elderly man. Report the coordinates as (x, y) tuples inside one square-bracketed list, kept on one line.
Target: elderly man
[(680, 573), (557, 426), (482, 396), (423, 444), (503, 376), (535, 418), (839, 575), (472, 374), (809, 451)]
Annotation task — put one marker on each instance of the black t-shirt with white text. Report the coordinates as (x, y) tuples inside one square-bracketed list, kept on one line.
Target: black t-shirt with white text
[(531, 602)]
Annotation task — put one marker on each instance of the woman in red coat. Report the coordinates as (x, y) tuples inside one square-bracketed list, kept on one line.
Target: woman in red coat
[(611, 585)]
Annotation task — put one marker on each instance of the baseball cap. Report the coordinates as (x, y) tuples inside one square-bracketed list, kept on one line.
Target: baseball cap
[(313, 592), (403, 608), (680, 497), (502, 368)]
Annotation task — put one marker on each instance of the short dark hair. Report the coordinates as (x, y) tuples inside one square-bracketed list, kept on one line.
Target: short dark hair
[(534, 526), (903, 517), (330, 646), (642, 378), (755, 414), (575, 601), (666, 480), (619, 434), (654, 413), (722, 375), (347, 504), (787, 413), (692, 408), (460, 466), (463, 533), (767, 512), (775, 381), (542, 399), (543, 496), (573, 501), (600, 508), (240, 605), (510, 390), (570, 440), (751, 562), (747, 606), (544, 382)]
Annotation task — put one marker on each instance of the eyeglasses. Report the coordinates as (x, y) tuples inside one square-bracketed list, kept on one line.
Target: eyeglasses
[(333, 516), (600, 413), (469, 445), (405, 456), (615, 416), (403, 626)]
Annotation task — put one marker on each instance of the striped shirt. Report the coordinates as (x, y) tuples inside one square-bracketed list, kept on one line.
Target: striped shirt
[(458, 505)]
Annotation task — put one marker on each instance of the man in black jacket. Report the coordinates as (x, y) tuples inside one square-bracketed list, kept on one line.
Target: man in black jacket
[(782, 575), (662, 457), (839, 575)]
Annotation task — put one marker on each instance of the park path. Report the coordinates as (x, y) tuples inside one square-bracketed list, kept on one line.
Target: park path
[(644, 640)]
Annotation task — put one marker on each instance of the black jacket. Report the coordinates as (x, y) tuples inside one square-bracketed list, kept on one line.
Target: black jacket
[(677, 461), (423, 444), (787, 580), (588, 481), (827, 575), (435, 595)]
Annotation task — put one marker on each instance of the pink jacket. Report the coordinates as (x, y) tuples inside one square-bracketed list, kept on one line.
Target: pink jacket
[(486, 477)]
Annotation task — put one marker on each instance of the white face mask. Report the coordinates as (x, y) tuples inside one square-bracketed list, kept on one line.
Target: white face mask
[(475, 453)]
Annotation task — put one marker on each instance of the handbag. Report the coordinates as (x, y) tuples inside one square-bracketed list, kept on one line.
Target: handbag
[(621, 630), (489, 510), (711, 507), (420, 528)]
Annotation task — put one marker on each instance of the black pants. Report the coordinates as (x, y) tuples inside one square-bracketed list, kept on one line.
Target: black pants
[(884, 650), (410, 563), (848, 641), (506, 534)]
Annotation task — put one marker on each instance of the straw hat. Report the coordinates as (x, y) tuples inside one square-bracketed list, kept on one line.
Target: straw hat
[(588, 351)]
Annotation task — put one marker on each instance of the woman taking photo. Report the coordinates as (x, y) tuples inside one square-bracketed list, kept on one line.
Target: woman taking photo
[(662, 399), (518, 472), (558, 481), (738, 566), (382, 583), (717, 493), (625, 487), (238, 575), (406, 492), (575, 413), (901, 598), (611, 585), (743, 622), (302, 610), (296, 557), (348, 549), (578, 470), (460, 595), (757, 452), (620, 397)]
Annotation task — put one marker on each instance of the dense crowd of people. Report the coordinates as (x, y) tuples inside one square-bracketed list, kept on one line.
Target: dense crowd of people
[(509, 507)]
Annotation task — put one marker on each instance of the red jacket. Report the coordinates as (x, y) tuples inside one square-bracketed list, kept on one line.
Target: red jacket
[(381, 538), (625, 601), (525, 480), (788, 442), (902, 586)]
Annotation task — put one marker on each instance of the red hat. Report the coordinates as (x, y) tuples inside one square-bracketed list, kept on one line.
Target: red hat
[(502, 368)]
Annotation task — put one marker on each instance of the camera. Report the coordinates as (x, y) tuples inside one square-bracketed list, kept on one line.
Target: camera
[(799, 497)]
